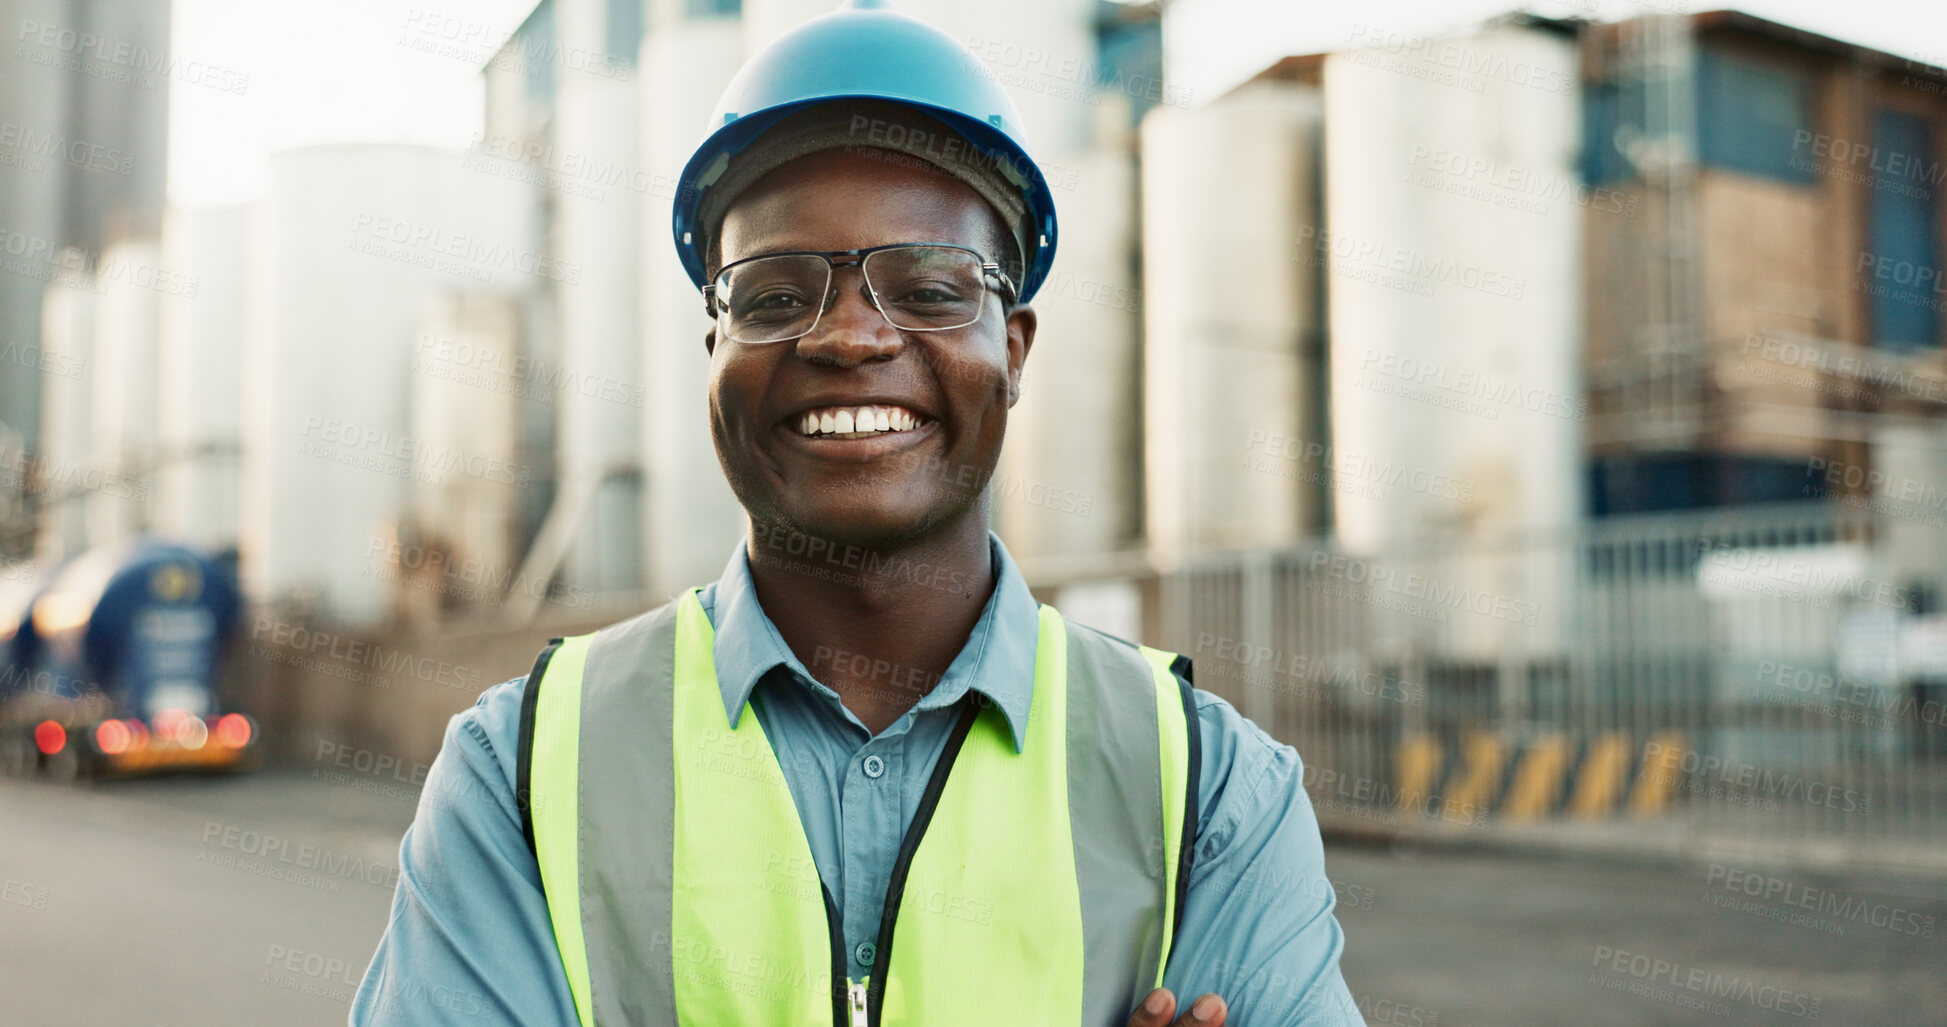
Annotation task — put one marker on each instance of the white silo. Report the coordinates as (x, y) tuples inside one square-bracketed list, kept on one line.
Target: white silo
[(133, 280), (1230, 375), (67, 333), (1044, 52), (694, 520), (468, 381), (199, 377), (1067, 482), (348, 245), (34, 205), (1452, 239), (597, 233)]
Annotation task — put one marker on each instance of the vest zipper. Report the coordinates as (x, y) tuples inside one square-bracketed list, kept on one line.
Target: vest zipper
[(855, 992)]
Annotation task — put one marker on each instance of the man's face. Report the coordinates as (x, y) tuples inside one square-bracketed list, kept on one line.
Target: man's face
[(956, 385)]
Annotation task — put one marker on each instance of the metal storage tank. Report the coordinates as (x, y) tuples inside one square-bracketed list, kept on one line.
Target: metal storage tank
[(1067, 484), (1452, 240), (349, 244), (467, 388), (49, 201), (200, 377), (597, 232), (132, 280), (67, 333), (34, 202), (694, 520), (1044, 52), (1229, 378)]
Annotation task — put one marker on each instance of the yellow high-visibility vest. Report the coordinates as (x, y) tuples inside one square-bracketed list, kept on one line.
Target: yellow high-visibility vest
[(1044, 884)]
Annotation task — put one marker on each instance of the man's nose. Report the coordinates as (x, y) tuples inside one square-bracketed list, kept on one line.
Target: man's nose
[(851, 331)]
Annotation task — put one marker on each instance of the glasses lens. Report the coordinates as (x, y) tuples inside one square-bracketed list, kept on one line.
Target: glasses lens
[(926, 288), (772, 298)]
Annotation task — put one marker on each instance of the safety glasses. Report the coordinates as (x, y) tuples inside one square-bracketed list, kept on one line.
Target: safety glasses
[(917, 287)]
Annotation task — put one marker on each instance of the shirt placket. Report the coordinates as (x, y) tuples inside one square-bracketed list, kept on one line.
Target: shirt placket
[(869, 834)]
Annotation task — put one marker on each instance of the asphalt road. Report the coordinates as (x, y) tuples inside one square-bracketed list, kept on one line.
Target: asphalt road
[(1438, 938), (258, 899)]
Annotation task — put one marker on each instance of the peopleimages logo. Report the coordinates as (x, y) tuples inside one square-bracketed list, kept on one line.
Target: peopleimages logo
[(1700, 983), (1822, 901), (78, 152), (269, 855), (350, 436)]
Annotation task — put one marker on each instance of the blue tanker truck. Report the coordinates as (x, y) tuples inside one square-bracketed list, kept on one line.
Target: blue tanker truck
[(110, 666)]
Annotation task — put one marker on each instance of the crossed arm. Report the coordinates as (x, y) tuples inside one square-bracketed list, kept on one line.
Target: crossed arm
[(1259, 945)]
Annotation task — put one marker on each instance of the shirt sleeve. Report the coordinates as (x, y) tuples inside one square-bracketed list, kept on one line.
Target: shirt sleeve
[(470, 941), (1257, 925)]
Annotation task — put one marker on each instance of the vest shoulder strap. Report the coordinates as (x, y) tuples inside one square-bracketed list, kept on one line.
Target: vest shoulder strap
[(524, 759), (1181, 669), (1186, 856), (530, 703)]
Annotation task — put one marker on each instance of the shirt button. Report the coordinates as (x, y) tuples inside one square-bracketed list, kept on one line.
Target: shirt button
[(874, 768), (865, 952)]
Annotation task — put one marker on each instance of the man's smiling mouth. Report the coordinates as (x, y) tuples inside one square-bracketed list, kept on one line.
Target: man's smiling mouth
[(856, 422)]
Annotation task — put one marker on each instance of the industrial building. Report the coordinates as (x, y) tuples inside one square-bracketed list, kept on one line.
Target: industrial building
[(1550, 383)]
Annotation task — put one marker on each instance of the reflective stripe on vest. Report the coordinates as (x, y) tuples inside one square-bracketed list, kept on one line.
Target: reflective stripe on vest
[(682, 888)]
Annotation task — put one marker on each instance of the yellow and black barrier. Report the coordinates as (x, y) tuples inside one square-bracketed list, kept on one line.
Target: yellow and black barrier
[(1539, 777)]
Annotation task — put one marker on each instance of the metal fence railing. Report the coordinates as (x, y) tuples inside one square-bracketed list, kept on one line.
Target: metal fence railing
[(1768, 672)]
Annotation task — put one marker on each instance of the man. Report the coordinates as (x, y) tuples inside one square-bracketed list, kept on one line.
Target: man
[(728, 810)]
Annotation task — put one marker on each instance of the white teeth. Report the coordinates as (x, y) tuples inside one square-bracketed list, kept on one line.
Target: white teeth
[(840, 421)]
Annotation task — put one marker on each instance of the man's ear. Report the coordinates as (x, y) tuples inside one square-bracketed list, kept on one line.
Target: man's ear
[(710, 341), (1021, 323)]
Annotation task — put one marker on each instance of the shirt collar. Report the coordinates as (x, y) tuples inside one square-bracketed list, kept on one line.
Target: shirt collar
[(996, 661)]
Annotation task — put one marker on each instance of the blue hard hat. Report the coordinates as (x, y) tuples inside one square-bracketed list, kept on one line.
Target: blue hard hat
[(866, 50)]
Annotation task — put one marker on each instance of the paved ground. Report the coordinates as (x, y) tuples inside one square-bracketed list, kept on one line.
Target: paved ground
[(196, 901), (191, 901), (1465, 938)]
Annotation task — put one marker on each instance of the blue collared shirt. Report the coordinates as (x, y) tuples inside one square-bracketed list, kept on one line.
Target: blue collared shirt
[(470, 939)]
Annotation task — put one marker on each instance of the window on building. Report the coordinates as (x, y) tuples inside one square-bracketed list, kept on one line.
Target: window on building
[(1602, 161), (1750, 114), (1648, 483), (624, 31), (1901, 267)]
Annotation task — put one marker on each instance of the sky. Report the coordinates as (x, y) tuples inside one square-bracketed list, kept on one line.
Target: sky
[(344, 72)]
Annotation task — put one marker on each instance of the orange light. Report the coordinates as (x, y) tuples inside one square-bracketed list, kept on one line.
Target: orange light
[(191, 732), (50, 737), (112, 737), (233, 731)]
